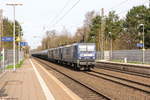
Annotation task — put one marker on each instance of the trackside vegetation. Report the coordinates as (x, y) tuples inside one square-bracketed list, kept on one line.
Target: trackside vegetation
[(17, 65), (125, 31)]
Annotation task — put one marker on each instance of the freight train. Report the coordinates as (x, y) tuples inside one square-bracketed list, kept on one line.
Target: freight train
[(80, 56)]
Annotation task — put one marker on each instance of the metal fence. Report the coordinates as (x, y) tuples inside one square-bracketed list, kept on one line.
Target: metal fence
[(129, 55), (8, 58)]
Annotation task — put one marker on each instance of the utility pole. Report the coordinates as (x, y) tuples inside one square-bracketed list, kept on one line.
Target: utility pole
[(1, 43), (0, 36), (102, 33), (1, 27), (85, 35), (19, 44), (149, 4), (14, 43), (143, 44), (110, 33), (143, 41)]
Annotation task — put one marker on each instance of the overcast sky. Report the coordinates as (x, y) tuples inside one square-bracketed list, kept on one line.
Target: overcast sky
[(37, 16)]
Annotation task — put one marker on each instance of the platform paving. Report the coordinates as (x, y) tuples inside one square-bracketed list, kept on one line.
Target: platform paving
[(21, 84), (24, 84)]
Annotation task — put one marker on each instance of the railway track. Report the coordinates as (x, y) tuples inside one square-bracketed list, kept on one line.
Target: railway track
[(98, 90), (129, 83), (124, 69), (99, 96)]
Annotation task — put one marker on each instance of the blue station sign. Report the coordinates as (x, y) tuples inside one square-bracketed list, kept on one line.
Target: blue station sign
[(139, 44), (7, 39), (23, 44)]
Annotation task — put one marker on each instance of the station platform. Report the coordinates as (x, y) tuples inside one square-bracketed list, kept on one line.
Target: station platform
[(33, 82), (122, 63)]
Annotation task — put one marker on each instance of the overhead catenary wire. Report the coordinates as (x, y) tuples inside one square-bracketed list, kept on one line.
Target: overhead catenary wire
[(66, 13), (128, 9), (114, 8), (118, 5), (74, 6), (61, 11)]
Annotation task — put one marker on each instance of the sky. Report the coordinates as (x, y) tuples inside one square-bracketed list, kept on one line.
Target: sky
[(39, 16)]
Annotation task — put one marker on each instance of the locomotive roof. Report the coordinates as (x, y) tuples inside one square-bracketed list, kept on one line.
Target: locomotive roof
[(79, 44), (44, 51)]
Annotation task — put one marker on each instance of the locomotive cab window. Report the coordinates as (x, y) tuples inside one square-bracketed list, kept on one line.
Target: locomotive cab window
[(83, 48)]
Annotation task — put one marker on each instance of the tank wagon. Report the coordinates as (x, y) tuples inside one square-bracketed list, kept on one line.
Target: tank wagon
[(40, 54), (80, 56)]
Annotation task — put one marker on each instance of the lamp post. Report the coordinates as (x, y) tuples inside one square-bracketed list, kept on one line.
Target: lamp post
[(19, 40), (1, 27), (14, 45), (110, 45), (1, 44), (143, 44)]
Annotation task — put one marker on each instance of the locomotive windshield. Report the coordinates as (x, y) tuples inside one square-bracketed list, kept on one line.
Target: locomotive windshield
[(83, 48)]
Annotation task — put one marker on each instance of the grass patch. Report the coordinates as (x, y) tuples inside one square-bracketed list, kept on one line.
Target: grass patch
[(17, 65), (1, 57), (121, 61), (131, 62), (135, 62)]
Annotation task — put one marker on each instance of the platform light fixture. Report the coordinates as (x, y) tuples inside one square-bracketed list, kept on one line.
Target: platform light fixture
[(143, 43), (14, 45)]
